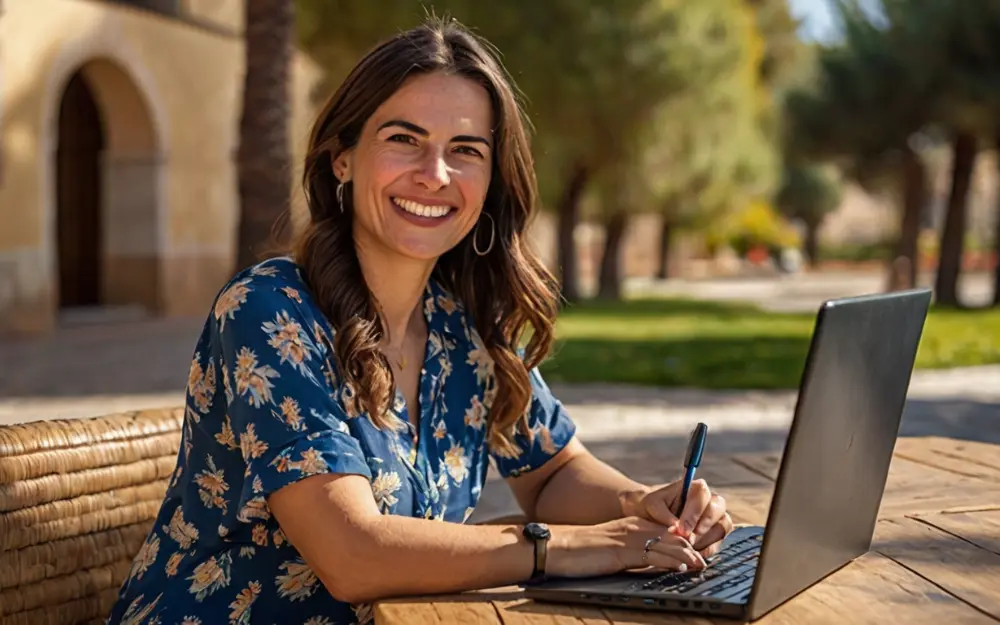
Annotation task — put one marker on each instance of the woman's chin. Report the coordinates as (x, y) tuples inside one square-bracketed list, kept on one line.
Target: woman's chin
[(426, 251)]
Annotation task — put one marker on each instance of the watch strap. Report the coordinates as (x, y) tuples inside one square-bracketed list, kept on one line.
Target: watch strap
[(539, 536), (541, 555)]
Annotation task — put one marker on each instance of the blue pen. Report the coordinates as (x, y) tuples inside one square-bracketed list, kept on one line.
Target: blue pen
[(696, 447)]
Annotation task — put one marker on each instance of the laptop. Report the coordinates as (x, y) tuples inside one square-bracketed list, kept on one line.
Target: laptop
[(830, 483)]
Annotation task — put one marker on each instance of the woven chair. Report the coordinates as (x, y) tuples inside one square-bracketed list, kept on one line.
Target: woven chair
[(77, 498)]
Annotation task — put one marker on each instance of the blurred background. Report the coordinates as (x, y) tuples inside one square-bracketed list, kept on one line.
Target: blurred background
[(710, 172)]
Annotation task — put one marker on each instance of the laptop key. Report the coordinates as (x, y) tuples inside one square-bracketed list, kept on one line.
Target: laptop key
[(742, 597), (709, 586), (735, 590)]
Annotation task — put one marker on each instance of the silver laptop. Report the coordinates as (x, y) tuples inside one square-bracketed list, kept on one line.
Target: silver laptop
[(830, 483)]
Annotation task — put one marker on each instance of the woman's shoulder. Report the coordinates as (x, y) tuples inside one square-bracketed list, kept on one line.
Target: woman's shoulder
[(270, 287)]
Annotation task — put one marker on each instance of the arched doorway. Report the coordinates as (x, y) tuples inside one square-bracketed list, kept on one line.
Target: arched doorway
[(78, 196), (108, 169)]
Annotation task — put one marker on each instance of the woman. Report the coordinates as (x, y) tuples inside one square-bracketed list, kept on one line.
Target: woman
[(343, 402)]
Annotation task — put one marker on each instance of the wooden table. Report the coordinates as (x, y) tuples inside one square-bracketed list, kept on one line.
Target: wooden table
[(935, 556)]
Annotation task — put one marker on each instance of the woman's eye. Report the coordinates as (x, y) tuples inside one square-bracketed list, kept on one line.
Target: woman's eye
[(471, 151), (402, 139)]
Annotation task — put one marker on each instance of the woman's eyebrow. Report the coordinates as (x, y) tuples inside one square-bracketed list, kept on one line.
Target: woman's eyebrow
[(423, 132)]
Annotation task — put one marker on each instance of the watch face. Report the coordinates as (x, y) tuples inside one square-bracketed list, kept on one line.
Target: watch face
[(537, 531)]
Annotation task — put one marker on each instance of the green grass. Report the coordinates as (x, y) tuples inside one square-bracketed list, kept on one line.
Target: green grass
[(670, 342)]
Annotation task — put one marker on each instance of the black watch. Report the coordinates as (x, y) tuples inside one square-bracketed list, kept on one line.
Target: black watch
[(539, 534)]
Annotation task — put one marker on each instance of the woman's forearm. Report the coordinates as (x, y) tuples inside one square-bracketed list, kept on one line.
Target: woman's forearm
[(399, 556), (585, 490), (361, 555)]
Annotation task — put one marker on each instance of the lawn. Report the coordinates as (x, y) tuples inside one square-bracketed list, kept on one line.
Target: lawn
[(670, 342)]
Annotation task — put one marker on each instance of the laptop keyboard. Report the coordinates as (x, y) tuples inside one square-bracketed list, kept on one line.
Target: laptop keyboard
[(738, 562)]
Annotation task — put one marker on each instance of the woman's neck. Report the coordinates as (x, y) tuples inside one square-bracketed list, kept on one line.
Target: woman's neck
[(398, 284)]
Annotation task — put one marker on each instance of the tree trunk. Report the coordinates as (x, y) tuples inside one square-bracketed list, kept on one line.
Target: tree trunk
[(811, 244), (666, 234), (996, 259), (953, 235), (569, 216), (263, 158), (996, 244), (610, 281), (904, 264)]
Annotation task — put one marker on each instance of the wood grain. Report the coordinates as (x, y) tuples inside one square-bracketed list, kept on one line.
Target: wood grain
[(475, 608), (748, 504), (968, 458), (526, 612), (635, 617), (915, 488), (874, 589), (980, 528), (432, 611), (958, 566), (911, 487)]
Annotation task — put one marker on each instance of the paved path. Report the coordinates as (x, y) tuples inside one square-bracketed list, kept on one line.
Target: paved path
[(801, 292)]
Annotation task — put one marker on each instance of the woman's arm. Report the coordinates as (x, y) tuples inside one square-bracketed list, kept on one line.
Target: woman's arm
[(576, 488), (361, 555)]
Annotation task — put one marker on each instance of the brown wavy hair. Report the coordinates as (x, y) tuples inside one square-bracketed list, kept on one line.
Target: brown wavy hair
[(507, 292)]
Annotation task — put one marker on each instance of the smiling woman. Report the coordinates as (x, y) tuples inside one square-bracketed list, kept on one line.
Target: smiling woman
[(344, 403), (432, 176)]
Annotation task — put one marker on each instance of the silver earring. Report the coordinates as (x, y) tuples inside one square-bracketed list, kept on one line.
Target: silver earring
[(475, 237), (340, 196)]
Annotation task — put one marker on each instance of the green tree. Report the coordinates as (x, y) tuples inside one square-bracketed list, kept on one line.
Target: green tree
[(594, 74), (706, 148), (864, 108), (952, 44), (263, 159), (721, 143), (809, 194)]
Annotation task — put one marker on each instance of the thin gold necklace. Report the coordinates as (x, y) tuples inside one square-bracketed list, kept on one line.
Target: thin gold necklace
[(400, 361)]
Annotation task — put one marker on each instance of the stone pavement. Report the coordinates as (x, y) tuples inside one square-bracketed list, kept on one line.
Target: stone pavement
[(88, 370), (803, 291)]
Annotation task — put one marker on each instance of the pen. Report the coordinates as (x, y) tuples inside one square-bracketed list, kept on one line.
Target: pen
[(696, 446)]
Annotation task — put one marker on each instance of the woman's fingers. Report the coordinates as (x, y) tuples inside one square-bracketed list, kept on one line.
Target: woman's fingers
[(656, 507), (675, 553), (709, 543), (699, 499), (713, 515)]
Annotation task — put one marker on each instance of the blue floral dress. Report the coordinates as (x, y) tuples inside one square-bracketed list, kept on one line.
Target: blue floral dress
[(264, 409)]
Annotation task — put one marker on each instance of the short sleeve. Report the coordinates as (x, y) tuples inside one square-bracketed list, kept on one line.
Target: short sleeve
[(551, 429), (281, 410)]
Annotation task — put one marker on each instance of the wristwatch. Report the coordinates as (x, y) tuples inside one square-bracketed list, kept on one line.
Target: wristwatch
[(539, 534)]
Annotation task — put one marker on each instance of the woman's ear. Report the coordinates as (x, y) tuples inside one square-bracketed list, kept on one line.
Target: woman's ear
[(342, 166)]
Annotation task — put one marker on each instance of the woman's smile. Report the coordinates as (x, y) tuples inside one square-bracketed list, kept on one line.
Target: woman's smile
[(425, 213)]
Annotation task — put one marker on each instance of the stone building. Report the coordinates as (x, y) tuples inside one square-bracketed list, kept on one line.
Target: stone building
[(118, 133)]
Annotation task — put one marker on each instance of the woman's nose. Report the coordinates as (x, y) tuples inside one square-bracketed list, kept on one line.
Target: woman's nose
[(434, 173)]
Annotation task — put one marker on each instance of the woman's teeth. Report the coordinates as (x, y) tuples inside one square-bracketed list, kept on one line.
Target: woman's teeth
[(415, 208)]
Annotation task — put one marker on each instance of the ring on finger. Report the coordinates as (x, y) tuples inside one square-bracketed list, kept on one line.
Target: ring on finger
[(649, 545)]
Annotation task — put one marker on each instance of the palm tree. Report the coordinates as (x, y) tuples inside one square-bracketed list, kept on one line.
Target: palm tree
[(263, 159)]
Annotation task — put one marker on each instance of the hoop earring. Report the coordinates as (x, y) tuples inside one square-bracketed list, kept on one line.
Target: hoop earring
[(475, 237), (340, 196)]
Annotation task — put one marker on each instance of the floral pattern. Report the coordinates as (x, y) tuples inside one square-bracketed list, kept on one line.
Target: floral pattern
[(216, 554)]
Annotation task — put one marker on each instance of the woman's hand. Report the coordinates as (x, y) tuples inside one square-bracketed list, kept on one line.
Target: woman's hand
[(619, 545), (704, 521)]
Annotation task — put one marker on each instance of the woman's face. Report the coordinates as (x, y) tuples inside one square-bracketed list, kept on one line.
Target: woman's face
[(422, 167)]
